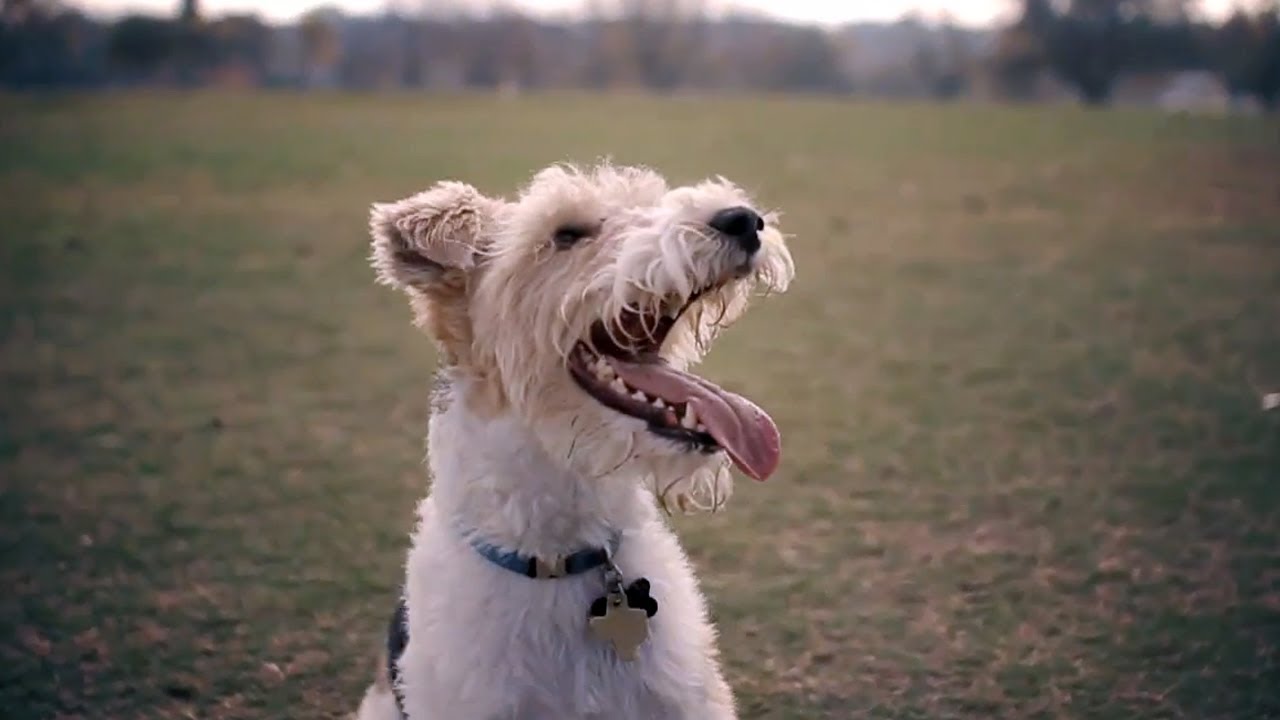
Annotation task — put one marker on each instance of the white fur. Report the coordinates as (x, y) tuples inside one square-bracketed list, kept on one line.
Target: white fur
[(546, 470)]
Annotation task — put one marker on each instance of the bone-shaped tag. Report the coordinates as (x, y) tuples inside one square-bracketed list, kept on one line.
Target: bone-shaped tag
[(624, 627)]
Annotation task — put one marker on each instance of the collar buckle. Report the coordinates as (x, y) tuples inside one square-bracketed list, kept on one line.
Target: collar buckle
[(543, 570)]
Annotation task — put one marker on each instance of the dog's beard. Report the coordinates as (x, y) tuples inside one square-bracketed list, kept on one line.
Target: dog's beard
[(600, 444), (600, 447), (705, 488)]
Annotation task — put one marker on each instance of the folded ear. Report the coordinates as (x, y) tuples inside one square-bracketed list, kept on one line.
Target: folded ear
[(421, 238), (430, 245)]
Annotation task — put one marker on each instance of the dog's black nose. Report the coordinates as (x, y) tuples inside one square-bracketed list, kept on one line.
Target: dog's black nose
[(740, 224)]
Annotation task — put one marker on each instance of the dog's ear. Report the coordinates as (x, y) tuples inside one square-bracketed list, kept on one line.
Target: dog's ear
[(418, 240), (429, 245)]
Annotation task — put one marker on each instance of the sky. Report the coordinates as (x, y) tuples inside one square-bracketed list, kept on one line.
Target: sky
[(967, 12)]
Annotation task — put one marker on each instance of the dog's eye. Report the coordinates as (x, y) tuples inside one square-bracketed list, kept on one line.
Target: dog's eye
[(569, 235)]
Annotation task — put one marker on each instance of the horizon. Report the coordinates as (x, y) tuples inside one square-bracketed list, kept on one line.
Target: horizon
[(969, 13)]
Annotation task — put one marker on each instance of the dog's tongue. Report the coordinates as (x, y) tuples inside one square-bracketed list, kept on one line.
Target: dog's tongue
[(737, 424)]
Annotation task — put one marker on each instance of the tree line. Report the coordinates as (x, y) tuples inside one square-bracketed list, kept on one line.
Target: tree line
[(1091, 44), (655, 45)]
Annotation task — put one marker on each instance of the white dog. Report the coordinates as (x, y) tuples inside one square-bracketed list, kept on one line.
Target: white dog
[(564, 423)]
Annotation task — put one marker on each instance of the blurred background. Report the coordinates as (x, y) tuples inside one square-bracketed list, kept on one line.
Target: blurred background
[(1169, 53), (1026, 377)]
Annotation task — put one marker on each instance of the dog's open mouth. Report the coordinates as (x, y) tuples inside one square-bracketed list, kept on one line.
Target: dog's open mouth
[(620, 367)]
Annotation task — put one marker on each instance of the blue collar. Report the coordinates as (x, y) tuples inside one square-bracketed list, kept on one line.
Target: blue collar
[(538, 568)]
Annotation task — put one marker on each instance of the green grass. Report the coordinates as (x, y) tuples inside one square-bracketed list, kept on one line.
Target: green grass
[(1026, 471)]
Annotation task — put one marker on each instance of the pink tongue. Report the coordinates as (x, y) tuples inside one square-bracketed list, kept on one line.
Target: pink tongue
[(737, 424)]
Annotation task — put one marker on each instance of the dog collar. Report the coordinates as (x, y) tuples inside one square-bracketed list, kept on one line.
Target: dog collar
[(542, 569)]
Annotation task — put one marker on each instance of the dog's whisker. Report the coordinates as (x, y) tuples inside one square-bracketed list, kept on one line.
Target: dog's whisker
[(662, 496), (574, 442), (628, 455)]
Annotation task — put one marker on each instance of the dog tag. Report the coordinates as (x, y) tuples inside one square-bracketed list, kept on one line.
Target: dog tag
[(637, 597), (621, 625)]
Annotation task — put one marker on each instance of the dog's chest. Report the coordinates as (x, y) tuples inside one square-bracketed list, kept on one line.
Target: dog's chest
[(487, 643)]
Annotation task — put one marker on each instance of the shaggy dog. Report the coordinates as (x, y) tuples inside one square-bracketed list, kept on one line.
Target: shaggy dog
[(543, 581)]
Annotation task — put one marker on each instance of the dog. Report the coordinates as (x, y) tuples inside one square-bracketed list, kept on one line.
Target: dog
[(543, 581)]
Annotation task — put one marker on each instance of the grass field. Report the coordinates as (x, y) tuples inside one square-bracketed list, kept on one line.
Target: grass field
[(1026, 471)]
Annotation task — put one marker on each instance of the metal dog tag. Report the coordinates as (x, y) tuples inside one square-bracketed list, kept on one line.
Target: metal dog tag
[(624, 627)]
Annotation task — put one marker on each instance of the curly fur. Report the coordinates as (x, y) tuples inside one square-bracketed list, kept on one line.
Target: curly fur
[(521, 456)]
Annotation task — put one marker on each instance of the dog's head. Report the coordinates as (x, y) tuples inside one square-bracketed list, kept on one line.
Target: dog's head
[(579, 306)]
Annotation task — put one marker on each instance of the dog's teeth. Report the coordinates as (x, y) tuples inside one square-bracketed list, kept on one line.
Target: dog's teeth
[(690, 420), (618, 386), (702, 428), (657, 402), (637, 395)]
